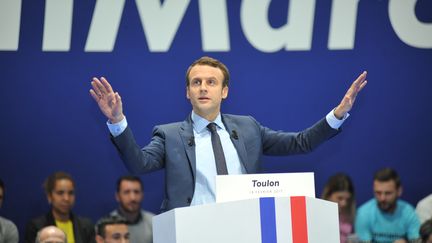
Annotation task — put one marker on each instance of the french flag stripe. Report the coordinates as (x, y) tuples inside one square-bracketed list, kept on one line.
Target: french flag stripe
[(299, 221), (268, 220)]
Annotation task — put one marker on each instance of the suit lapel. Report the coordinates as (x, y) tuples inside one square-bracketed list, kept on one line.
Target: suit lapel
[(187, 136), (237, 140)]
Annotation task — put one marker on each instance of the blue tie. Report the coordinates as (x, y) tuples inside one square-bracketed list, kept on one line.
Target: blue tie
[(221, 166)]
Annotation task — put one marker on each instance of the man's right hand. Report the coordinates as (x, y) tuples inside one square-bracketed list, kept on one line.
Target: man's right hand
[(108, 101)]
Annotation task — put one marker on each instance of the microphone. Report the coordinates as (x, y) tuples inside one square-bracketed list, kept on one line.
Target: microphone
[(234, 134), (191, 141)]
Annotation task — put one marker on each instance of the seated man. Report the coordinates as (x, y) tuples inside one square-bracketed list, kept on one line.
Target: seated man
[(51, 234), (8, 230), (129, 195), (60, 192), (112, 229), (386, 218)]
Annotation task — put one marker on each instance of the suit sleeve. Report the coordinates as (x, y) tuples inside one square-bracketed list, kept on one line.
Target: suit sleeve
[(285, 143), (138, 160)]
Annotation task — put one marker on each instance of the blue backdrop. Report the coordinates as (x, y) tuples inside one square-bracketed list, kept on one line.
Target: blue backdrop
[(290, 61)]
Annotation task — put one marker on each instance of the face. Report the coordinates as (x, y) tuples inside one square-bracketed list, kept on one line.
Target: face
[(342, 198), (114, 233), (52, 235), (62, 198), (130, 196), (205, 90), (386, 194)]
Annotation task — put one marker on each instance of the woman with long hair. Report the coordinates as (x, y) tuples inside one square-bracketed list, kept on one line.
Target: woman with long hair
[(339, 189)]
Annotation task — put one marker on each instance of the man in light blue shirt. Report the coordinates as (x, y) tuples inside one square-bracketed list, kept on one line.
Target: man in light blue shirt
[(185, 149), (386, 218)]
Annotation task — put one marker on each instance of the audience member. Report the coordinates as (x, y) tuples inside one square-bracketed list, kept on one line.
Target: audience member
[(8, 230), (340, 189), (386, 218), (112, 229), (424, 209), (129, 195), (60, 193), (426, 231), (51, 234)]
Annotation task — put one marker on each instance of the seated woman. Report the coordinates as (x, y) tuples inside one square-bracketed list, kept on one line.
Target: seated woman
[(339, 189)]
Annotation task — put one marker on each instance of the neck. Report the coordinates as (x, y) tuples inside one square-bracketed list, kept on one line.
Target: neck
[(60, 216), (130, 216), (208, 116)]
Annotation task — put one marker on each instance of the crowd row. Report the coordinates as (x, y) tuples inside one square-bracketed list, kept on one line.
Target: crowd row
[(384, 218)]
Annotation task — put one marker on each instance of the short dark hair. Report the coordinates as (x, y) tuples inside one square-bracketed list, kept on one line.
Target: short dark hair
[(129, 178), (212, 62), (100, 227), (426, 230), (51, 180), (387, 174)]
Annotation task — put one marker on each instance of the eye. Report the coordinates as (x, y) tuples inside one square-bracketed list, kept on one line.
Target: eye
[(196, 82), (212, 82)]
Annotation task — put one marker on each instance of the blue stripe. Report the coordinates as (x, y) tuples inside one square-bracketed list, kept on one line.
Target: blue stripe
[(268, 220)]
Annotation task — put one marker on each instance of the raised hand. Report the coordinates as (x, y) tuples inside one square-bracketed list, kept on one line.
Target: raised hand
[(348, 100), (108, 101)]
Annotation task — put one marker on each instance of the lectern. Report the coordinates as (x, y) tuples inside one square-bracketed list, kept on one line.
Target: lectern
[(296, 219)]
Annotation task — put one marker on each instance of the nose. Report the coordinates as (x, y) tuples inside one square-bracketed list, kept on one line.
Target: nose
[(133, 196), (381, 197), (203, 86), (343, 203), (67, 197)]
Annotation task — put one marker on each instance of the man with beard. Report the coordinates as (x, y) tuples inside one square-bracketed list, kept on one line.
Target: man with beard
[(60, 191), (386, 218), (129, 195)]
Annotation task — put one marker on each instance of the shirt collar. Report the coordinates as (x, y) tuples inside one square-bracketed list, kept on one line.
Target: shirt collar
[(200, 123)]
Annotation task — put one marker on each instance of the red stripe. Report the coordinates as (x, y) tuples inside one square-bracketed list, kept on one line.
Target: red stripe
[(299, 221)]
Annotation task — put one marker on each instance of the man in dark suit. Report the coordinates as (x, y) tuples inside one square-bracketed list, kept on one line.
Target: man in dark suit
[(185, 148)]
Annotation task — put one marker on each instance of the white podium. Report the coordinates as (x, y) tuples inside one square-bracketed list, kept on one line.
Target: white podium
[(297, 219)]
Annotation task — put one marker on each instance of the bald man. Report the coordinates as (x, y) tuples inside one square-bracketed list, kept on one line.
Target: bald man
[(51, 234)]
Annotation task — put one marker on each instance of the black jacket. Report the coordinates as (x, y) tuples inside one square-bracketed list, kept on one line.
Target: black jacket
[(83, 228)]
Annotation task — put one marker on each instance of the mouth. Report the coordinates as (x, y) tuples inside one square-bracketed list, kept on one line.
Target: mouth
[(203, 99)]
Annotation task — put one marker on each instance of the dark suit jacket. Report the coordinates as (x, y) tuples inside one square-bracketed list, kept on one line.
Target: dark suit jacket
[(83, 228), (171, 148)]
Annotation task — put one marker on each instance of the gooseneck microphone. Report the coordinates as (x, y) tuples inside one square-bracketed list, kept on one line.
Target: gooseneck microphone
[(234, 134), (191, 141)]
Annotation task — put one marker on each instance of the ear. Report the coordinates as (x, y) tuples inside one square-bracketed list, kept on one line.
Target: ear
[(400, 190), (187, 93), (49, 198), (117, 197), (99, 239), (225, 92)]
